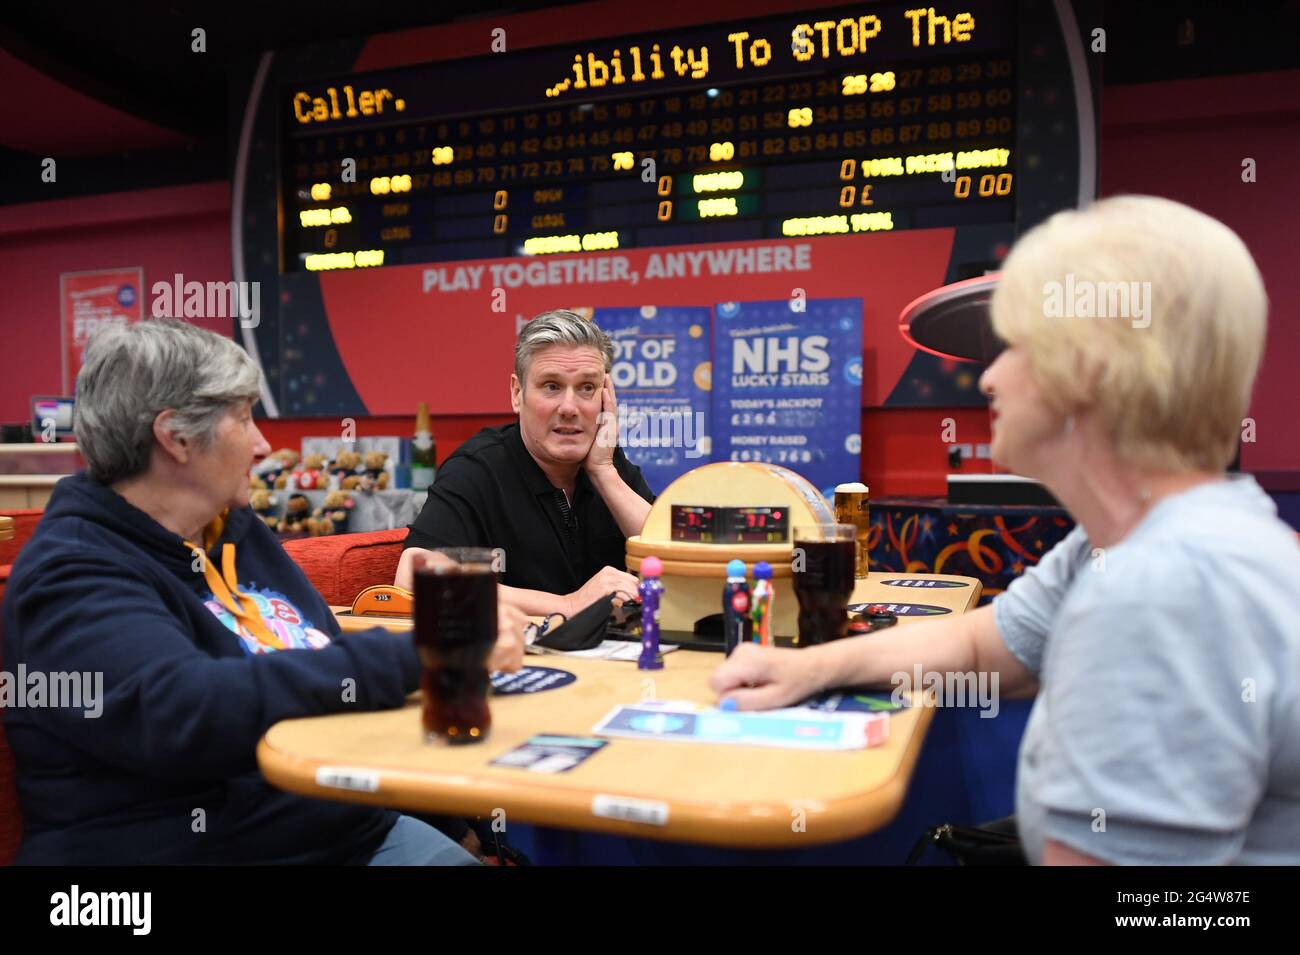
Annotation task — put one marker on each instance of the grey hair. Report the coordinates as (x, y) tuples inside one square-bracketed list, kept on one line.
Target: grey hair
[(133, 372), (559, 327)]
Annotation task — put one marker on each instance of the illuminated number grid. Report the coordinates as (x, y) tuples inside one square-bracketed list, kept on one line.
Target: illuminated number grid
[(836, 152)]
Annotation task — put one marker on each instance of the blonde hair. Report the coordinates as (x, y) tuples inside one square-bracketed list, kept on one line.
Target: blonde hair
[(1170, 376)]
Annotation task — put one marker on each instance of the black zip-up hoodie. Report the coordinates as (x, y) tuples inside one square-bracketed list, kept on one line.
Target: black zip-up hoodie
[(187, 692)]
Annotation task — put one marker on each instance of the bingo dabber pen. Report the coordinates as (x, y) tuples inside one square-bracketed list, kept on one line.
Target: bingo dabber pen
[(736, 622), (761, 600), (651, 587)]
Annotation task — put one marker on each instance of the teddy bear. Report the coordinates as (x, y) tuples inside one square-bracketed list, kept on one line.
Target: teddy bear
[(338, 508), (257, 483), (275, 467), (343, 470), (317, 525), (263, 503), (376, 475), (310, 475), (290, 459), (332, 516), (297, 513)]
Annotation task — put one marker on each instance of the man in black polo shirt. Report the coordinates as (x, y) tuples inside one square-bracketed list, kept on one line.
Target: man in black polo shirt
[(552, 490)]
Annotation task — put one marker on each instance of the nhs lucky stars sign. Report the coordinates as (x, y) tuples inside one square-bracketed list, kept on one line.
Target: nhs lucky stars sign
[(787, 386)]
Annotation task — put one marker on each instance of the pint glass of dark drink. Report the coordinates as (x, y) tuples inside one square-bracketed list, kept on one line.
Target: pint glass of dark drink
[(852, 506), (455, 629), (823, 565)]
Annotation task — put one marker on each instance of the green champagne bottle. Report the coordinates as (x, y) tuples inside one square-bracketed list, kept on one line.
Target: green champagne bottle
[(424, 451)]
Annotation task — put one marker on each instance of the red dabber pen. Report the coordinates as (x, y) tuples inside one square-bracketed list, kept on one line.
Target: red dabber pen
[(736, 622)]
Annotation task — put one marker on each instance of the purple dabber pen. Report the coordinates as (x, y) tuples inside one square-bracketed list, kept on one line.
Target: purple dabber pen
[(650, 589)]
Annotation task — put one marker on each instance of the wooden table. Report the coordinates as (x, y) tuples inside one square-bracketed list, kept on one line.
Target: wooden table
[(6, 528), (741, 796)]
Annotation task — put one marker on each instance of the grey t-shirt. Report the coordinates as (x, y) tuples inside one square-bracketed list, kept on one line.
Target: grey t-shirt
[(1167, 724)]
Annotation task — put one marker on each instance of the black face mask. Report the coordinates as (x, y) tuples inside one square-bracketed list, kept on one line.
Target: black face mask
[(584, 632)]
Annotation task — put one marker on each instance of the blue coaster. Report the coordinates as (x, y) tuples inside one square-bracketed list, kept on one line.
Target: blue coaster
[(531, 680)]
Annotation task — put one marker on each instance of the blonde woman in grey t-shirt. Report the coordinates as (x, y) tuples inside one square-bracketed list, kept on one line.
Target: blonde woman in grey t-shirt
[(1162, 637)]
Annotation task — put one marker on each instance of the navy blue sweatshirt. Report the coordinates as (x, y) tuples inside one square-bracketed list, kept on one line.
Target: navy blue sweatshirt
[(102, 587)]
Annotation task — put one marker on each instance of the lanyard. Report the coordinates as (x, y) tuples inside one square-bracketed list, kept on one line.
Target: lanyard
[(227, 590)]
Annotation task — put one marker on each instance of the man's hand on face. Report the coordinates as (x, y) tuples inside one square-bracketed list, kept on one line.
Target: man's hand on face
[(607, 580), (601, 455)]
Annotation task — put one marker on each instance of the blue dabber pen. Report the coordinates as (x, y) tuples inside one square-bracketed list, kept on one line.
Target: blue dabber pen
[(737, 624)]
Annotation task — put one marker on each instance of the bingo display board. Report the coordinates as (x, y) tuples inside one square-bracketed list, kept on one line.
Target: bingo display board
[(406, 201)]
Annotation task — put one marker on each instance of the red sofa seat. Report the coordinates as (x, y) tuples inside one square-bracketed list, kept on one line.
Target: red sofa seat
[(341, 566)]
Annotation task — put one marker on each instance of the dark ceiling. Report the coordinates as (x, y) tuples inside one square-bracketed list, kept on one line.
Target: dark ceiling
[(137, 56)]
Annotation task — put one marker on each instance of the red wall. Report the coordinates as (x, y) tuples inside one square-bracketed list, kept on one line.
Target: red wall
[(178, 229), (1184, 140), (165, 231)]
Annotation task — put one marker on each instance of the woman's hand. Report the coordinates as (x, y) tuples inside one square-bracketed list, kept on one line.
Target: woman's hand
[(763, 678), (508, 654), (417, 558), (508, 651)]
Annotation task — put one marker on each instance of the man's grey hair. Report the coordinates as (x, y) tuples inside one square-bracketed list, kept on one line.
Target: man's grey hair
[(559, 327), (133, 372)]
